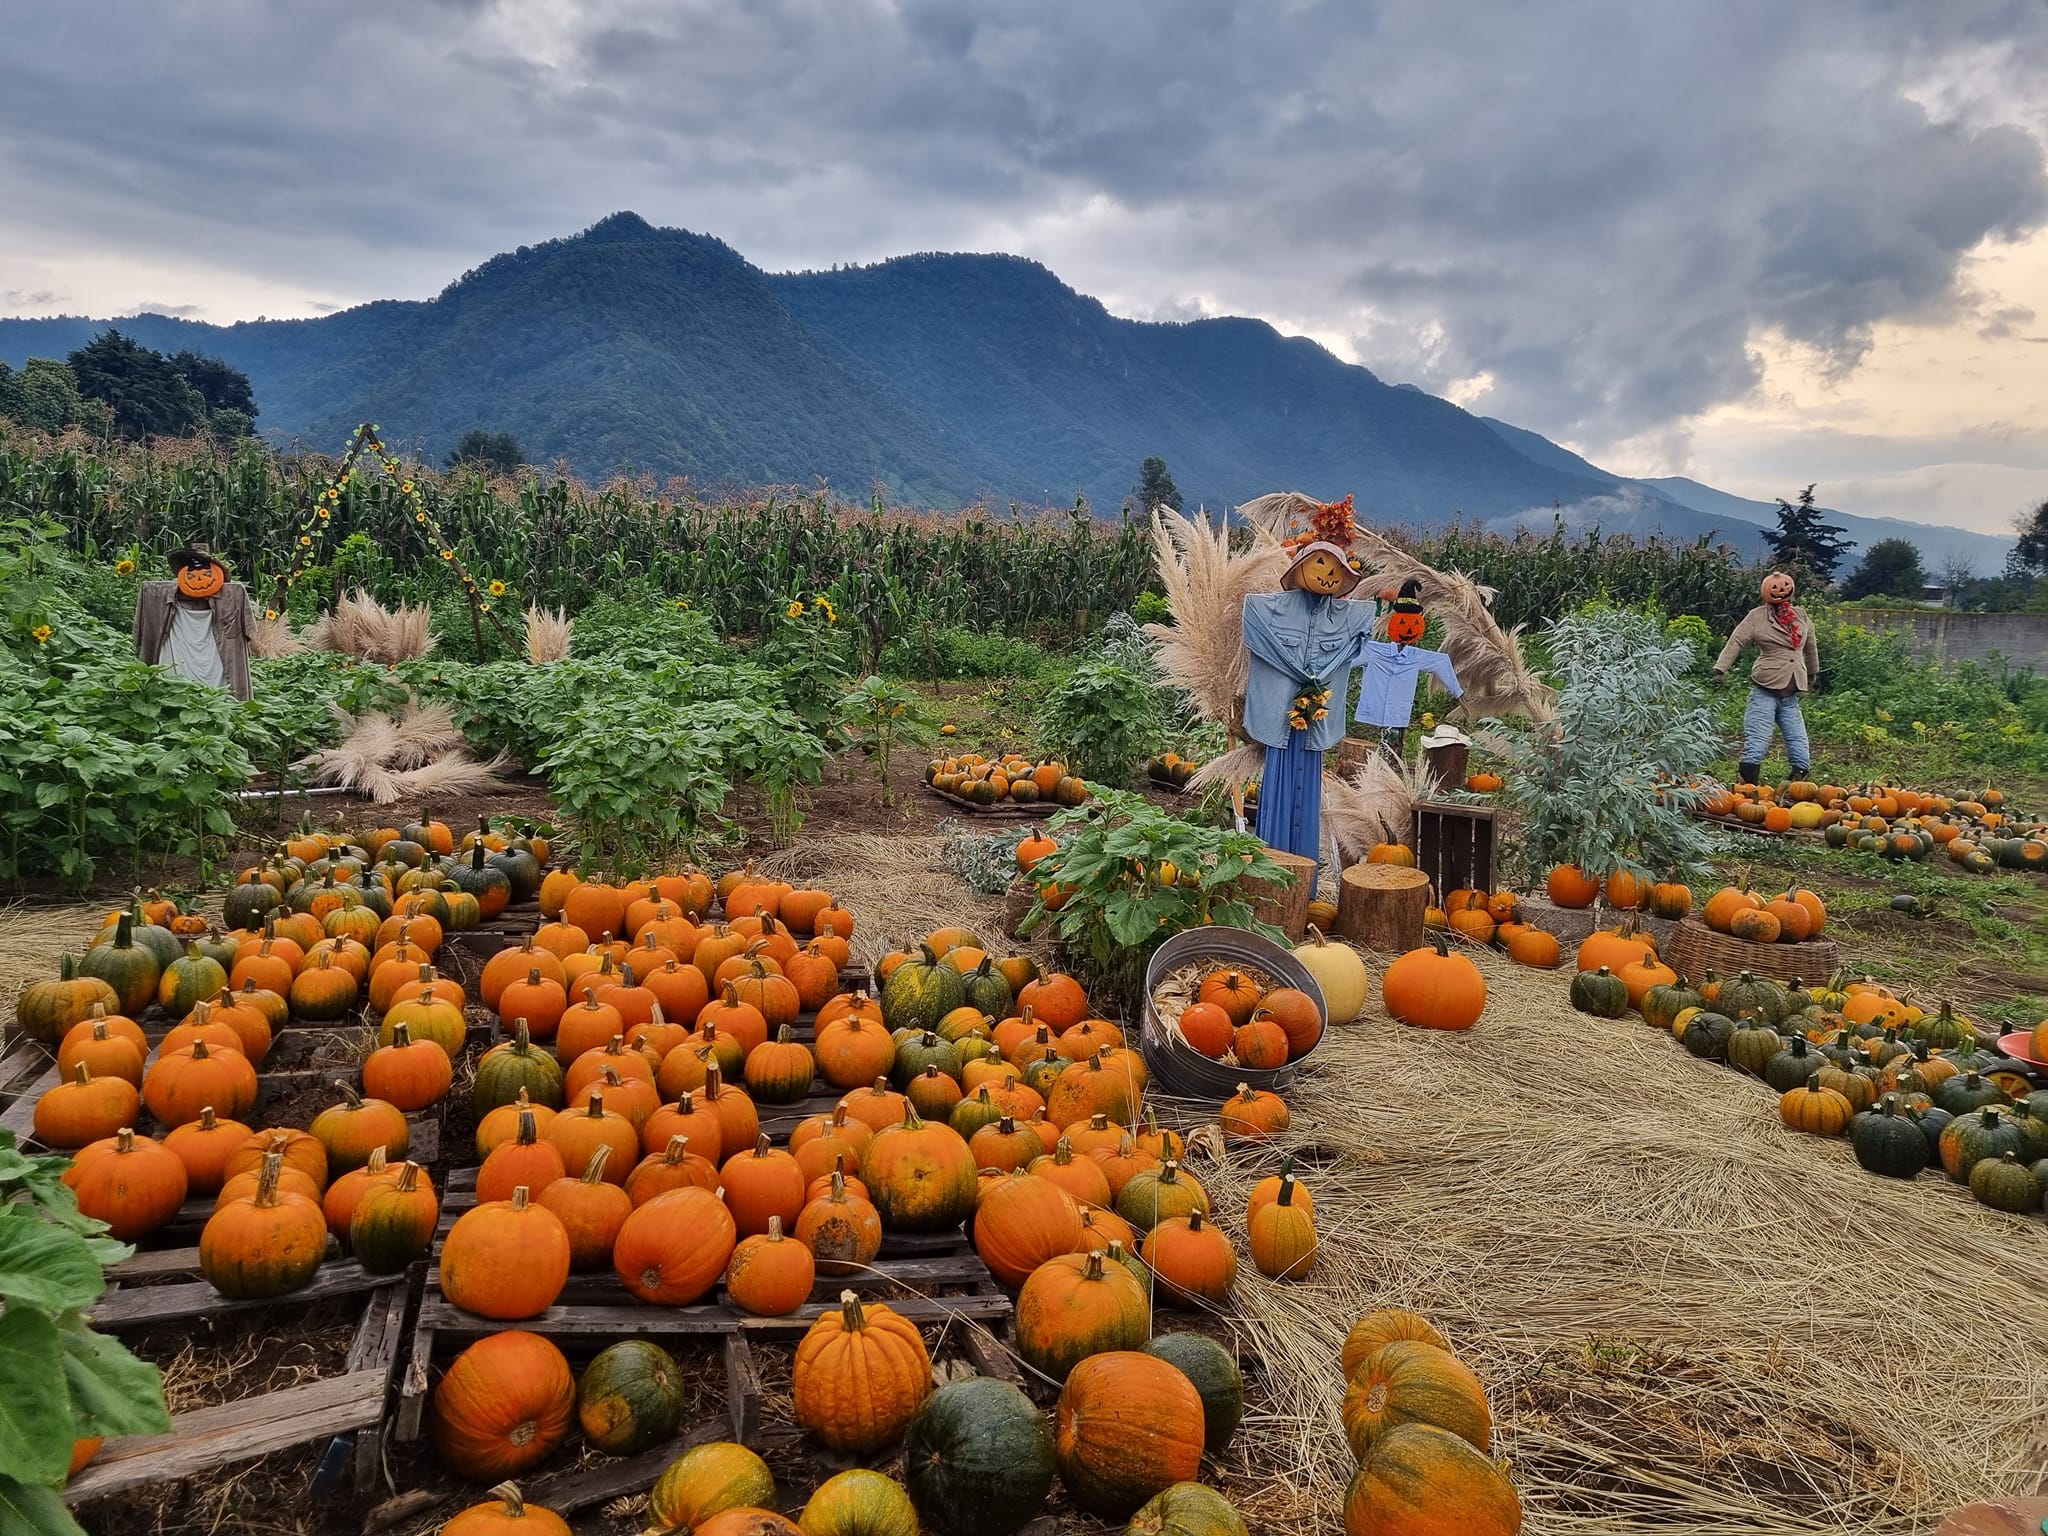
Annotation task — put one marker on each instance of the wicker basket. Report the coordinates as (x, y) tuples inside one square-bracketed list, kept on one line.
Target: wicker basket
[(1696, 949), (1181, 1070)]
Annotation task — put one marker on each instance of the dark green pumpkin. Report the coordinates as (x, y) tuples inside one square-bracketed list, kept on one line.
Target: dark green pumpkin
[(491, 887), (1932, 1122), (129, 968), (1753, 1047), (160, 942), (988, 990), (1707, 1035), (521, 870), (1663, 1003), (1217, 1381), (217, 947), (922, 1050), (975, 1111), (1967, 1091), (978, 1458), (1600, 993), (1187, 1509), (244, 905), (2006, 1184), (403, 850), (1842, 1050), (515, 1064), (1969, 1139), (1792, 1066), (1752, 994), (1888, 1143), (920, 992), (630, 1398)]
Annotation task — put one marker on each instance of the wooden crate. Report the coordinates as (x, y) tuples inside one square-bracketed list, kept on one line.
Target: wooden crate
[(1454, 846), (947, 1278), (351, 1406)]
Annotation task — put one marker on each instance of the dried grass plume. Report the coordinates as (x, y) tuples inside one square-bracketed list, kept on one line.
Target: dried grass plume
[(362, 627), (547, 634)]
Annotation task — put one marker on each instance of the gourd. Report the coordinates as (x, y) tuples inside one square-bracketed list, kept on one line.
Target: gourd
[(1283, 1234), (859, 1503), (266, 1244), (1021, 1222), (130, 1182), (1600, 993), (505, 1513), (978, 1459), (1188, 1509), (770, 1275), (1340, 974), (1434, 989), (630, 1398), (505, 1259), (1193, 1260), (1888, 1143), (1410, 1382), (860, 1374), (1077, 1305), (1419, 1480)]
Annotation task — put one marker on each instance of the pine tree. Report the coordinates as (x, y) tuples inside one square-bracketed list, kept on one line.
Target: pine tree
[(1804, 540), (1890, 568), (1155, 487)]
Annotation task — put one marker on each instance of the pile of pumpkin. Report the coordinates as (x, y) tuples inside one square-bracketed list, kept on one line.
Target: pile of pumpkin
[(1171, 770), (1234, 1018), (1908, 1087), (980, 1459), (979, 780), (1977, 832)]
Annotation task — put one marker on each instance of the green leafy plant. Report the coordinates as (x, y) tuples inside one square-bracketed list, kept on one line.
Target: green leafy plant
[(1118, 909), (1104, 720), (880, 716), (985, 861), (65, 1382), (1612, 781)]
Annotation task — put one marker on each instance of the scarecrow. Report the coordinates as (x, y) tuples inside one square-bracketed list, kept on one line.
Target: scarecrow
[(198, 623), (1787, 663), (1393, 666), (1302, 643)]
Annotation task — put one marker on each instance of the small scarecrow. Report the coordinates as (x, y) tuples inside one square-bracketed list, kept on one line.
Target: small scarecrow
[(1393, 666), (1787, 663), (1302, 643), (197, 624)]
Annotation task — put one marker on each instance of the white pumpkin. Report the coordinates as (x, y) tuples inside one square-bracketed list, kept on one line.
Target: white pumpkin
[(1340, 971)]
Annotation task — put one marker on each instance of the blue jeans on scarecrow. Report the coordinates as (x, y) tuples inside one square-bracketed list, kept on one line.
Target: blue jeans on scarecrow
[(1291, 797), (1765, 712)]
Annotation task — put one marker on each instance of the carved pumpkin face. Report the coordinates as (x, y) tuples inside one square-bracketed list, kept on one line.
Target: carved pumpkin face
[(1405, 623), (202, 578), (1777, 587), (1321, 571)]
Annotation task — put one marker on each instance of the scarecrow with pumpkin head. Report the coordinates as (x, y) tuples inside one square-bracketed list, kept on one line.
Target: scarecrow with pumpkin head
[(1393, 666), (197, 624), (1787, 663)]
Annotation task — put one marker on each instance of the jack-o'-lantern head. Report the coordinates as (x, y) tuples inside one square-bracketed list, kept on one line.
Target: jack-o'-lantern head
[(1777, 587), (1321, 570), (200, 576), (1406, 620)]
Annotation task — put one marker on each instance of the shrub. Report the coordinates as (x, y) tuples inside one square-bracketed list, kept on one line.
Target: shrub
[(946, 653)]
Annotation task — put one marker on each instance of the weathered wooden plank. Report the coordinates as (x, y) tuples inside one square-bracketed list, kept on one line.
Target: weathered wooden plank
[(573, 1489), (166, 1303), (239, 1431), (412, 1389), (20, 1116), (700, 1319), (742, 1390), (989, 1355), (375, 1348)]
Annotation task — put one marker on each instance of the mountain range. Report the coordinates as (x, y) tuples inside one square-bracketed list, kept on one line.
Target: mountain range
[(939, 379)]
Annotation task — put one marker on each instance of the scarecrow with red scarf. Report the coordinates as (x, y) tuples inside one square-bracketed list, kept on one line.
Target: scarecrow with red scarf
[(1787, 664)]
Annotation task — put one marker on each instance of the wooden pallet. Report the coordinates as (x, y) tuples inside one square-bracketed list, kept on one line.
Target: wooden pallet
[(1005, 810), (595, 1309), (349, 1405)]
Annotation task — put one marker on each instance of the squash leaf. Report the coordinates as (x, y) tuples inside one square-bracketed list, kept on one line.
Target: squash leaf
[(43, 1265), (112, 1392), (35, 1414), (26, 1510)]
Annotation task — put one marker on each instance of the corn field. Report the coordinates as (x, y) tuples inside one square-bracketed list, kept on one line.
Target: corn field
[(1049, 574)]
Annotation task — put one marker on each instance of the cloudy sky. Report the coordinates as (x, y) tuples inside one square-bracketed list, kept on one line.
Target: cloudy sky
[(1754, 242)]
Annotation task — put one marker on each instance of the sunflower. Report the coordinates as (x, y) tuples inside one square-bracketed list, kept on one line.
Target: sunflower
[(795, 610), (497, 589), (447, 554), (124, 567), (41, 633)]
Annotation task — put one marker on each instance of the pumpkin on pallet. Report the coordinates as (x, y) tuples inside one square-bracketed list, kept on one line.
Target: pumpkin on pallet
[(978, 1459), (1128, 1427), (630, 1398), (859, 1376), (502, 1406)]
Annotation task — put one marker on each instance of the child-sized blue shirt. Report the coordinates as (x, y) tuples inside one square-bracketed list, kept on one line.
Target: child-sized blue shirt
[(1386, 691)]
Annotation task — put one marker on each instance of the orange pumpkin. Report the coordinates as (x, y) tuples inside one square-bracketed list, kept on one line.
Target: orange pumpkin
[(1128, 1426), (1434, 989)]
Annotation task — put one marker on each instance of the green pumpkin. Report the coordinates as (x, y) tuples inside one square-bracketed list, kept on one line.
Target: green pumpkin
[(1842, 1050), (1187, 1509), (978, 1459), (245, 905), (1969, 1139), (1753, 1047), (45, 1010), (1752, 994), (1932, 1122), (490, 886), (217, 947), (1217, 1381), (1600, 993), (924, 1050), (403, 850), (165, 945), (859, 1503), (514, 1065), (1888, 1143), (1942, 1030), (630, 1398), (2006, 1184), (1837, 836), (1967, 1091), (1663, 1003), (1707, 1035), (383, 1241), (2031, 1116), (1792, 1066), (1040, 1075), (920, 992), (129, 968), (988, 990), (973, 1112), (189, 981)]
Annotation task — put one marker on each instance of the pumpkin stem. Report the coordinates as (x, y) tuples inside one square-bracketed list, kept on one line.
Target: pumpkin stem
[(529, 1131), (677, 1147), (1286, 1189), (594, 1174), (266, 1180), (774, 1229), (520, 1197), (409, 1175), (81, 1075), (839, 1183), (124, 1138), (850, 1308)]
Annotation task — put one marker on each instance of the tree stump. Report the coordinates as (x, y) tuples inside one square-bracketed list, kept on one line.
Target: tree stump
[(1285, 906), (1380, 906)]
